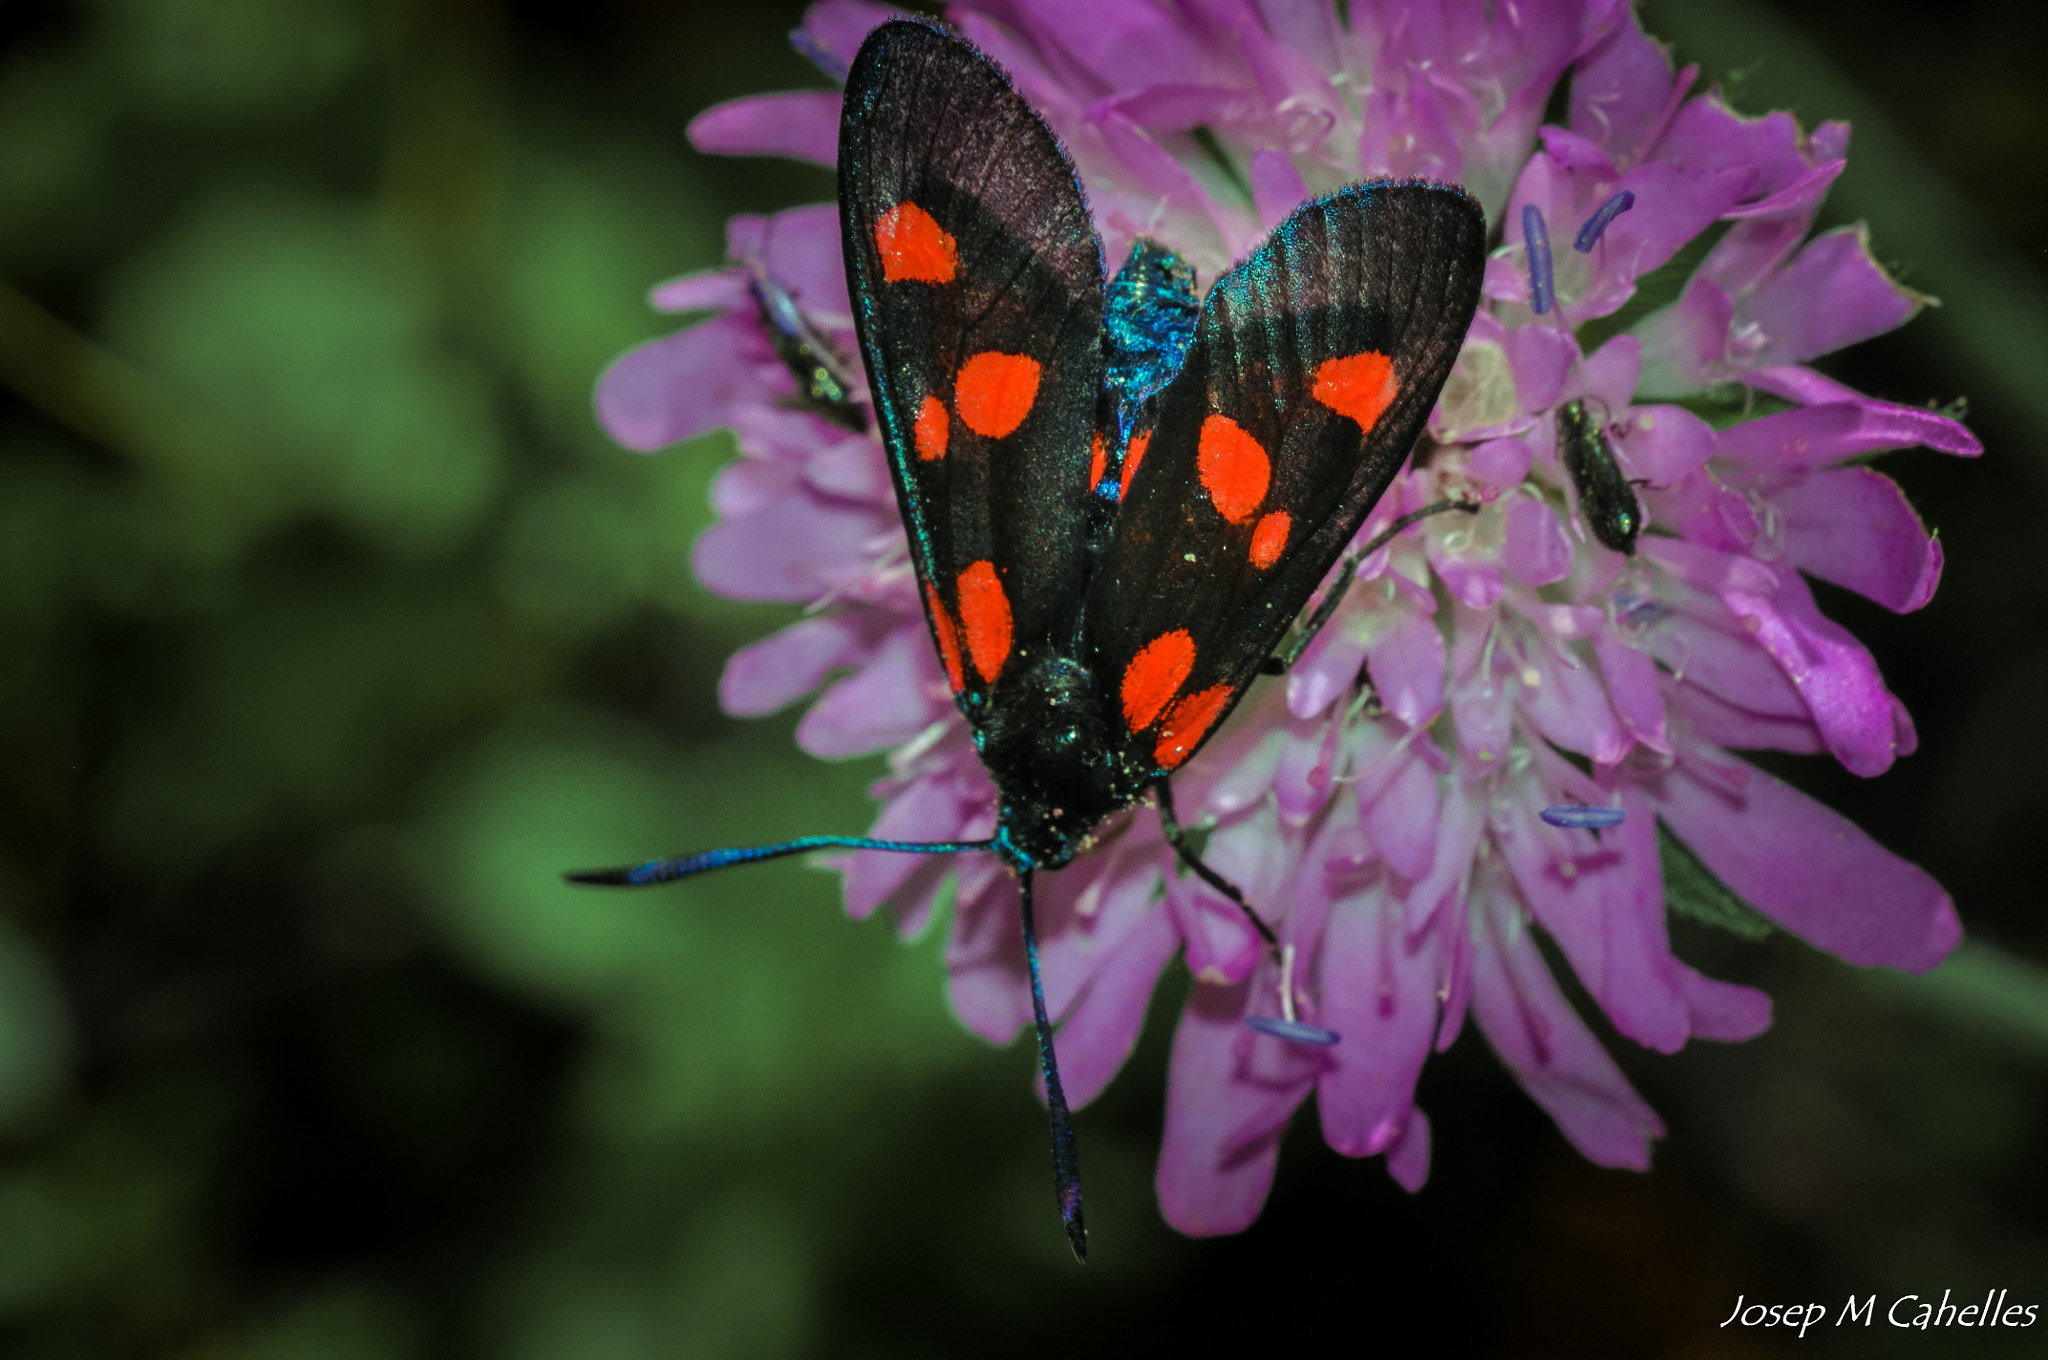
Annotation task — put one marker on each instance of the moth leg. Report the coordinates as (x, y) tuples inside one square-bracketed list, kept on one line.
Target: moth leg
[(1334, 596), (1066, 1164), (1176, 836)]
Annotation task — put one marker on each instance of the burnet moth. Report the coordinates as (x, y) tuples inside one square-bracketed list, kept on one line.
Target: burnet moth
[(1118, 499)]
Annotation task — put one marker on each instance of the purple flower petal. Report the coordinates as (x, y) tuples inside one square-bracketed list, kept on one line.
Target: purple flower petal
[(1500, 462), (1542, 357), (1623, 90), (1832, 294), (1229, 1095), (1609, 373), (1723, 1011), (1634, 689), (1536, 551), (1562, 1066), (1401, 817), (840, 26), (801, 124), (800, 247), (781, 668), (1407, 664), (707, 290), (1408, 1158), (1222, 947), (1713, 718), (1666, 444), (1766, 233), (1462, 822), (986, 977), (1604, 905), (681, 385), (1815, 436), (1833, 672), (1330, 666), (1685, 345), (1810, 869), (796, 549), (1098, 1035), (926, 810), (1277, 186), (882, 704), (1379, 992), (1853, 526)]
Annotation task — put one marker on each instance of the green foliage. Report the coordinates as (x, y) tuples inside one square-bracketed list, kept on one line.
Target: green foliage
[(1691, 890)]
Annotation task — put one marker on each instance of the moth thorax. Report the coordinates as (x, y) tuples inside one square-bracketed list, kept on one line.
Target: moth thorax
[(1050, 752)]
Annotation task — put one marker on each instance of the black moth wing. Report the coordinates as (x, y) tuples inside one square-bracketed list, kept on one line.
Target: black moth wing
[(1255, 478), (998, 259)]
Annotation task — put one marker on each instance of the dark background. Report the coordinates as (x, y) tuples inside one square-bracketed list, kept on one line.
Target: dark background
[(331, 628)]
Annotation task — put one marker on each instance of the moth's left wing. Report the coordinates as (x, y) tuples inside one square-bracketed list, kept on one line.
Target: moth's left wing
[(977, 286), (1313, 370)]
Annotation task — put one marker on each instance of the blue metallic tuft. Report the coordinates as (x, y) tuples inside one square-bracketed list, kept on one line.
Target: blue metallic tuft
[(1148, 322), (1589, 235), (1293, 1031), (1583, 817), (1538, 242)]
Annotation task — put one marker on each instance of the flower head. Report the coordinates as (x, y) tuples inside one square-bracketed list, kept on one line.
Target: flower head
[(1384, 807)]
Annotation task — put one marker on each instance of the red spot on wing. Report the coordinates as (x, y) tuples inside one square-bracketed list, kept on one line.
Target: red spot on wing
[(1235, 470), (1098, 462), (1134, 453), (914, 248), (949, 639), (1155, 675), (1269, 540), (1187, 724), (1361, 386), (985, 618), (994, 392), (929, 430)]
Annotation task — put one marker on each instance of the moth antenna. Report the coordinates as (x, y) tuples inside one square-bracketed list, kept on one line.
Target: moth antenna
[(704, 861), (1334, 596), (1066, 1162)]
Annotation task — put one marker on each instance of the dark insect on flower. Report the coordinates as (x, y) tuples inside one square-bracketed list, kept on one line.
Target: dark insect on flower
[(823, 382), (1117, 501), (1607, 503)]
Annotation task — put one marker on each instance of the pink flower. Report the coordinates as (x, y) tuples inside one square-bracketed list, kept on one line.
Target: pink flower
[(1391, 831)]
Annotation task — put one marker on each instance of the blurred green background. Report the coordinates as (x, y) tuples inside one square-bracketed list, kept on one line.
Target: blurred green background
[(331, 629)]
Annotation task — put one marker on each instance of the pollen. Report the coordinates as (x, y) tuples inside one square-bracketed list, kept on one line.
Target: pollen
[(1187, 723), (914, 247), (929, 430), (949, 639), (1269, 540), (1155, 675), (1235, 470), (1361, 386), (985, 618), (994, 392), (1134, 453)]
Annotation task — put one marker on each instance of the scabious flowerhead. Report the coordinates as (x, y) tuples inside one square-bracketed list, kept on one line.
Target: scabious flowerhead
[(1383, 806)]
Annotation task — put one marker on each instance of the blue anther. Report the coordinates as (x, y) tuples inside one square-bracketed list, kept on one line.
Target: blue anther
[(1583, 817), (1538, 242), (1293, 1031), (1589, 235)]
